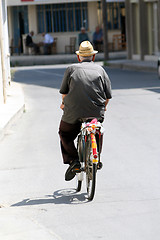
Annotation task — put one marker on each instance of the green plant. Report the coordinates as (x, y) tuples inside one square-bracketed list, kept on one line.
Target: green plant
[(12, 74), (105, 63)]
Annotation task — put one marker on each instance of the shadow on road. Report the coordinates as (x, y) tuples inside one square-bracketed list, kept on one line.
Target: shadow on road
[(127, 79), (156, 90), (51, 78), (120, 79), (63, 196)]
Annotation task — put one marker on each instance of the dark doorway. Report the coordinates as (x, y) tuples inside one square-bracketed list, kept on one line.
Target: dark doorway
[(21, 29), (20, 26)]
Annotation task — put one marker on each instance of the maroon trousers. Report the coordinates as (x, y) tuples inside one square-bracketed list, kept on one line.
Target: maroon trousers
[(68, 133)]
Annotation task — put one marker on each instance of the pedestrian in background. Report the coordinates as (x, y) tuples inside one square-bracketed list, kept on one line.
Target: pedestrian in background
[(98, 38), (31, 44), (83, 36), (47, 43)]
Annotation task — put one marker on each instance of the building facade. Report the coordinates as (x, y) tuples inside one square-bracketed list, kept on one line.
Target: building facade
[(143, 29), (63, 19)]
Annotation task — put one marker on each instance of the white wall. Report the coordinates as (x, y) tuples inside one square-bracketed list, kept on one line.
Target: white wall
[(32, 18), (92, 16)]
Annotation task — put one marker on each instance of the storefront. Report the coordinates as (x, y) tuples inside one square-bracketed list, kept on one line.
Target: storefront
[(63, 20)]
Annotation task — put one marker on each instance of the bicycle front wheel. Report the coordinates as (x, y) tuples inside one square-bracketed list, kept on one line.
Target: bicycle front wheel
[(91, 170)]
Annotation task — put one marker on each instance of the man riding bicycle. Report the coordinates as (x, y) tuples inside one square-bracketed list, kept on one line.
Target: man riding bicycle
[(86, 90)]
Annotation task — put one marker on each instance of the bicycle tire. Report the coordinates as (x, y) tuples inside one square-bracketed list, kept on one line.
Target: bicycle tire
[(80, 153), (159, 71), (80, 148), (79, 186), (91, 170), (158, 68)]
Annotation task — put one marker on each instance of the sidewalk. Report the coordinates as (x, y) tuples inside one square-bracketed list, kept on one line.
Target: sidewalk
[(15, 101), (32, 60), (13, 108), (116, 60), (148, 65)]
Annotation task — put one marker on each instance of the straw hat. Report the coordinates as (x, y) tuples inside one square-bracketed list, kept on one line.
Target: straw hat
[(86, 49)]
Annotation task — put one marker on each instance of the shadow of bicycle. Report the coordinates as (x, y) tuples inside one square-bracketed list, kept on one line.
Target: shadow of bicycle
[(62, 196)]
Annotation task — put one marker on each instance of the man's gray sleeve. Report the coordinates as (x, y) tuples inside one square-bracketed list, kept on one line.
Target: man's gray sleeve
[(107, 85), (64, 89)]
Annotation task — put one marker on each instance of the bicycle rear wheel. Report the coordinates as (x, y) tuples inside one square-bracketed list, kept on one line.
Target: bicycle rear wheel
[(159, 71), (158, 68), (91, 170)]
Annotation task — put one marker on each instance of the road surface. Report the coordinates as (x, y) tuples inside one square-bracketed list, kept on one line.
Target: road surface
[(35, 200)]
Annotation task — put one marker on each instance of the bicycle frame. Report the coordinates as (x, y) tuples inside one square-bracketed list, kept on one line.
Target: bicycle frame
[(89, 154), (91, 129)]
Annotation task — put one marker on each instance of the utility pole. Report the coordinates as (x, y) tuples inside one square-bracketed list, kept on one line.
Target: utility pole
[(129, 28), (143, 28), (158, 7), (105, 32), (2, 55)]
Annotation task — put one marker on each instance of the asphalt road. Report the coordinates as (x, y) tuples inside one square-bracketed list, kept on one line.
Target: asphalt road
[(35, 200)]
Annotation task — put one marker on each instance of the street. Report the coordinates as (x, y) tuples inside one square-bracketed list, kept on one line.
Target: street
[(35, 200)]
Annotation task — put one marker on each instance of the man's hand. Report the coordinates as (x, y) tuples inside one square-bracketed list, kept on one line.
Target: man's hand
[(107, 100), (62, 106)]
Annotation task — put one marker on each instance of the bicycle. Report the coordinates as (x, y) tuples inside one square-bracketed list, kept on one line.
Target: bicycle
[(89, 145)]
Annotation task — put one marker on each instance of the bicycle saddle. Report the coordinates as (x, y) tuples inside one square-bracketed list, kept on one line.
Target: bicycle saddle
[(89, 119)]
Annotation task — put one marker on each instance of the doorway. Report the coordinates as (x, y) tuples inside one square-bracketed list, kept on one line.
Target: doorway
[(20, 25), (21, 29)]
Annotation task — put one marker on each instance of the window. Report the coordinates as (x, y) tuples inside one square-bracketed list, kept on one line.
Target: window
[(66, 17), (114, 15), (115, 12)]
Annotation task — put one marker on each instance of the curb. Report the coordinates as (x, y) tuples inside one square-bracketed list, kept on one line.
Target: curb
[(13, 119), (126, 65), (35, 60), (12, 110)]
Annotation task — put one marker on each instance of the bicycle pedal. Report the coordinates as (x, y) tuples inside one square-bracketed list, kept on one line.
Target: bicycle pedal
[(99, 165), (76, 170)]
